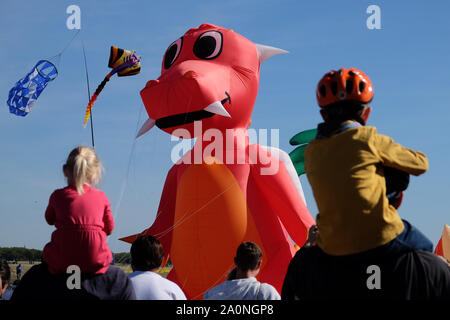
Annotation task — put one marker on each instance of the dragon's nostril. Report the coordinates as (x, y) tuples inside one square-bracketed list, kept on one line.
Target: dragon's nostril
[(189, 74)]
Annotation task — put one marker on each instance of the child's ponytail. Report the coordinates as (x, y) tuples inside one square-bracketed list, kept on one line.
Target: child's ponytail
[(82, 167)]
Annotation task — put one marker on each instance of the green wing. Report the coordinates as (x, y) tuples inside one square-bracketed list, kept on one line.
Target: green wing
[(297, 156)]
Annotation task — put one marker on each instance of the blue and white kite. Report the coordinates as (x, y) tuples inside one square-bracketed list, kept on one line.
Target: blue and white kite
[(25, 92)]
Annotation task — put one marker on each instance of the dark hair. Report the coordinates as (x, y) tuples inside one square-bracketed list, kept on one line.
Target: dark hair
[(5, 272), (146, 253), (344, 110), (232, 274), (248, 256)]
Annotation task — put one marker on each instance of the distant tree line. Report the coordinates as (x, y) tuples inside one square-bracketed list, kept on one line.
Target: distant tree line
[(20, 254), (24, 254), (122, 258), (125, 258)]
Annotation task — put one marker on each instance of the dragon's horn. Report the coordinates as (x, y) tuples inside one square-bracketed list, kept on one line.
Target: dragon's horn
[(265, 52), (146, 127)]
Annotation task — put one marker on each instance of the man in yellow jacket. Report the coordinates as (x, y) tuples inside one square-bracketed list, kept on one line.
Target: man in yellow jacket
[(345, 167)]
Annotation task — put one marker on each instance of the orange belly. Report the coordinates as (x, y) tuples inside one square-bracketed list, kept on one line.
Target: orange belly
[(211, 220)]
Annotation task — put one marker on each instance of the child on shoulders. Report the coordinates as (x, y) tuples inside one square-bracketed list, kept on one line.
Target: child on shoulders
[(345, 166), (82, 217)]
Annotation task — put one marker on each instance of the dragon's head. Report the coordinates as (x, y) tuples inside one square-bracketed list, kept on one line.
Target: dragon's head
[(209, 74)]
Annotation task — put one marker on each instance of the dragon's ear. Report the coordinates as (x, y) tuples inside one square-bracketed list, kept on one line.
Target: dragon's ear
[(265, 52)]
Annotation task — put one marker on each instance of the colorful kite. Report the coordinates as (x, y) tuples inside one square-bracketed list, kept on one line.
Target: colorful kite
[(124, 63), (26, 91), (210, 78)]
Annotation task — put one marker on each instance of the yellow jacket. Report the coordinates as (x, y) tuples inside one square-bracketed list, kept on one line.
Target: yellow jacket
[(347, 179)]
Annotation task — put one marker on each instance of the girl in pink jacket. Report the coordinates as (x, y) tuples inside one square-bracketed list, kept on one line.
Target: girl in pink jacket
[(82, 217)]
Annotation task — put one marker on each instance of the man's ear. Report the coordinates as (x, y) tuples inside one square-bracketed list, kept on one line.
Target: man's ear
[(324, 114), (258, 265), (366, 113)]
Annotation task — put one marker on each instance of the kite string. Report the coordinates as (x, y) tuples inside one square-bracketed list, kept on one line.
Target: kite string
[(89, 90), (125, 180), (67, 46), (64, 49), (188, 215)]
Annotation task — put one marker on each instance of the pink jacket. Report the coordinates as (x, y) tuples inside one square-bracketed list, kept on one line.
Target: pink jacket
[(82, 223)]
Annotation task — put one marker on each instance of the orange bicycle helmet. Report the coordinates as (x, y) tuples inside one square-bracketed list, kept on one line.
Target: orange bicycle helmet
[(344, 85)]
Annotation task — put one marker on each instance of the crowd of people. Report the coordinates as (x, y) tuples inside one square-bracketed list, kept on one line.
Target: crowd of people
[(358, 227)]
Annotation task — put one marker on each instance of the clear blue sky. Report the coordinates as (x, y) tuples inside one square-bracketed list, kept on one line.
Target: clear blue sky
[(408, 61)]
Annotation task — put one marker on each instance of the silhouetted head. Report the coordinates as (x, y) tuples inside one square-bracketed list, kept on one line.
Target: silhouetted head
[(146, 253), (248, 256)]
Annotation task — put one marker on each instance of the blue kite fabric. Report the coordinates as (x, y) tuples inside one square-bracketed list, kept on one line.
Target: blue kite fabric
[(25, 92)]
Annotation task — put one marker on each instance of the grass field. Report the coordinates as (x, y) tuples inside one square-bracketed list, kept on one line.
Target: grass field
[(127, 268), (26, 266)]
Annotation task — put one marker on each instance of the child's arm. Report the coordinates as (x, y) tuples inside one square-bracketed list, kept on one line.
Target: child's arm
[(396, 156), (108, 220), (50, 214)]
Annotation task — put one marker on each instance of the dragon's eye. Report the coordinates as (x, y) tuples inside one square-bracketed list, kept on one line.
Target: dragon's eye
[(209, 45), (172, 53)]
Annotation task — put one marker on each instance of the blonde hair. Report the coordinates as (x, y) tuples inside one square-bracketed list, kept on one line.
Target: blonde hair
[(82, 167)]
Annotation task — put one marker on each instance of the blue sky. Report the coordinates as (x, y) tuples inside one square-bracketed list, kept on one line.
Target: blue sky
[(408, 60)]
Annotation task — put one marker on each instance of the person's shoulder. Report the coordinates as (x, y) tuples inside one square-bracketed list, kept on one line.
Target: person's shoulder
[(432, 262), (168, 283), (114, 274), (59, 192), (269, 292), (218, 288), (427, 269), (38, 269), (213, 292), (64, 189), (372, 132), (115, 271), (368, 129), (143, 276), (134, 274), (37, 282), (114, 284), (306, 252), (176, 292), (97, 193), (92, 189), (268, 287), (363, 132)]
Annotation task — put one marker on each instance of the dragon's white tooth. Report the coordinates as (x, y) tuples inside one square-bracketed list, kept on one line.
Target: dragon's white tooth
[(217, 108), (265, 52), (146, 127)]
